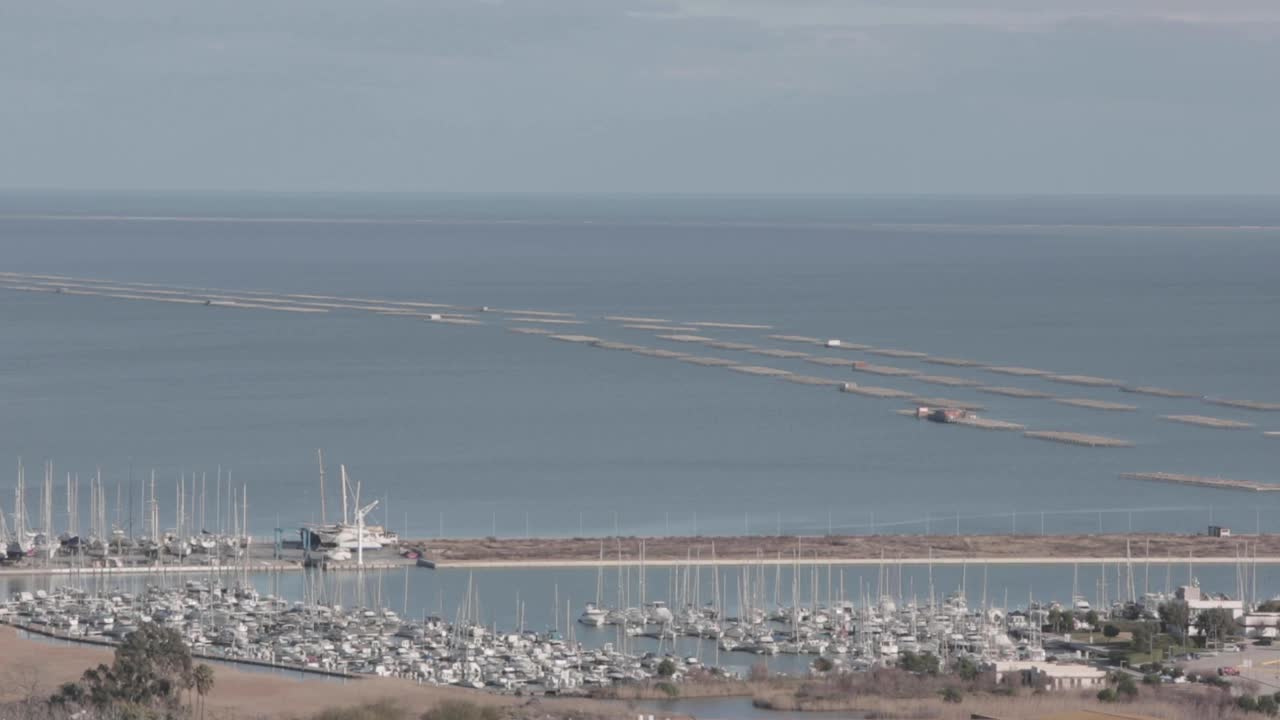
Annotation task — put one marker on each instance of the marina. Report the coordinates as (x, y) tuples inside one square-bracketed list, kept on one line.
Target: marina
[(1214, 482)]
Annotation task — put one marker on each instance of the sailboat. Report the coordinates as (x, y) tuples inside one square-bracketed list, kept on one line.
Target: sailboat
[(352, 533), (21, 541)]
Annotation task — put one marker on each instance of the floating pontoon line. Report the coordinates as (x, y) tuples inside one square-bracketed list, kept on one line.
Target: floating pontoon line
[(728, 325), (891, 352), (843, 345), (775, 353), (1155, 391), (1214, 482), (636, 320), (1014, 370), (759, 370), (610, 345), (453, 321), (936, 402), (532, 313), (659, 353), (679, 337), (661, 328), (258, 306), (1014, 392), (954, 362), (1246, 404), (708, 361), (876, 392), (1271, 433), (1074, 438), (1206, 421), (830, 361), (813, 380), (805, 339), (946, 380), (882, 369), (1087, 380), (170, 289), (728, 345), (584, 339), (529, 330), (1096, 404), (545, 320)]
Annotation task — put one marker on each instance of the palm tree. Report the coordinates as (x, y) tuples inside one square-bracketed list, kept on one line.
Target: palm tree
[(203, 677)]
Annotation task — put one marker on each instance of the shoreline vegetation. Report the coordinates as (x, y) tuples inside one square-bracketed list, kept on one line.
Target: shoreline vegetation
[(836, 549)]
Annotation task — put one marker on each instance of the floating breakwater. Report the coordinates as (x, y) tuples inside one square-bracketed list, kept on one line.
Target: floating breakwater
[(1074, 438), (1206, 421), (1215, 482)]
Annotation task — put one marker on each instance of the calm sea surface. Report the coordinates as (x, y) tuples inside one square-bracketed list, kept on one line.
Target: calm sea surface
[(475, 430)]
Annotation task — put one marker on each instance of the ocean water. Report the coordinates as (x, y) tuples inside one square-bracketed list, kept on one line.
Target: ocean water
[(477, 431)]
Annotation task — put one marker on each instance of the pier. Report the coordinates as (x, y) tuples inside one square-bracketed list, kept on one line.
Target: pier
[(1155, 391)]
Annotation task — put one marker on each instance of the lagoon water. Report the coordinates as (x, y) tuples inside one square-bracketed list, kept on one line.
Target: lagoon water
[(477, 431)]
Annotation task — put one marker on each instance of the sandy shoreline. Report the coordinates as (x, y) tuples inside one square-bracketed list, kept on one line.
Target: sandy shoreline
[(847, 550)]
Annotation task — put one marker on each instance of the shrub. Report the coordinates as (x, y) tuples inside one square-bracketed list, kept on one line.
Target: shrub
[(951, 695), (1107, 695), (1267, 704), (1248, 703), (1110, 630), (823, 665), (459, 710), (666, 668), (967, 669), (668, 689), (1150, 679), (1126, 688)]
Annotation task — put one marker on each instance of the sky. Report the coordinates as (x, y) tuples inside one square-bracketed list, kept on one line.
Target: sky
[(643, 96)]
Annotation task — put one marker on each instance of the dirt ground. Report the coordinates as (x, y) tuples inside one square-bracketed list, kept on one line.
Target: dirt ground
[(891, 547), (34, 668)]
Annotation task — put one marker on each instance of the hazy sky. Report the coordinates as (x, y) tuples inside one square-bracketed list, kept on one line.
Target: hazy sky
[(830, 96)]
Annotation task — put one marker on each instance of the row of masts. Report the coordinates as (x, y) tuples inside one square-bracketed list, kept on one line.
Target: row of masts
[(40, 538)]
